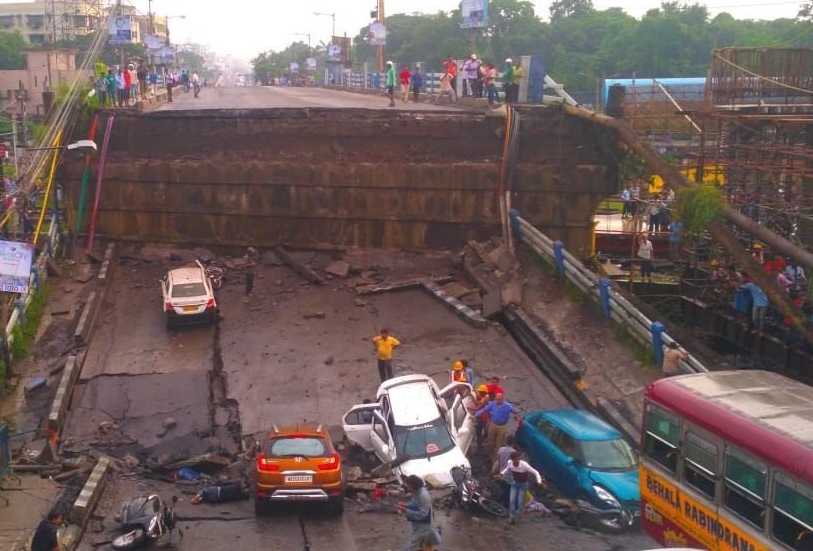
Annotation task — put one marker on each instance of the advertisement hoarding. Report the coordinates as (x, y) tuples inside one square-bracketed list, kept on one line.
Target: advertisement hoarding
[(120, 29), (15, 266), (294, 67), (311, 63), (475, 14), (378, 34)]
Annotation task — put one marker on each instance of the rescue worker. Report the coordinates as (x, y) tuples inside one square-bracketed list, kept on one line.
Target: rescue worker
[(458, 374), (481, 400)]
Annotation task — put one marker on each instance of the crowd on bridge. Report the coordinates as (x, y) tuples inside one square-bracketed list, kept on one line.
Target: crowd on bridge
[(479, 79)]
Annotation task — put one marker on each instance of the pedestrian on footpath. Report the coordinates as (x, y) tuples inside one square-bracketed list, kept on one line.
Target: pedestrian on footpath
[(508, 80), (121, 87), (391, 83), (520, 472), (384, 345), (45, 538), (405, 77), (417, 84), (250, 268), (168, 80), (499, 413), (421, 514)]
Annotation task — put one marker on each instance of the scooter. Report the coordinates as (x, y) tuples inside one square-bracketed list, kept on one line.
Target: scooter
[(468, 494), (146, 519)]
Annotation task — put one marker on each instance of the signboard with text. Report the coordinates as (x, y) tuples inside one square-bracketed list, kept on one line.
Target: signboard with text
[(294, 67), (311, 63), (15, 266), (154, 43), (120, 29), (475, 14)]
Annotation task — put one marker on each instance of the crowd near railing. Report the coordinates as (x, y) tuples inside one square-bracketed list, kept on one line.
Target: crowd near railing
[(649, 333)]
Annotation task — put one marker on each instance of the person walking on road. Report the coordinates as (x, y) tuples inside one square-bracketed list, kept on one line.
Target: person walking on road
[(250, 268), (45, 538), (503, 457), (417, 84), (520, 473), (405, 77), (384, 345), (420, 513), (499, 413), (391, 83)]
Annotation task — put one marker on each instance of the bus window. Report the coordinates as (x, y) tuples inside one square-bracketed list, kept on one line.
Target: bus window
[(793, 513), (661, 437), (700, 465), (745, 486)]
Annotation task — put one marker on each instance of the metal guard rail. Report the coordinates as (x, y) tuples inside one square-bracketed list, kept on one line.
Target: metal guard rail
[(615, 307), (39, 273)]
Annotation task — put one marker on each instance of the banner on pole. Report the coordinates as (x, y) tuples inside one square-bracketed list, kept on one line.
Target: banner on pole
[(294, 67), (475, 14), (378, 34), (120, 29), (15, 266), (311, 63)]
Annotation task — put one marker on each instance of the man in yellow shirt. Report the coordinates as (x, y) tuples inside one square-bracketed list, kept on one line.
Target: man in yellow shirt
[(384, 345)]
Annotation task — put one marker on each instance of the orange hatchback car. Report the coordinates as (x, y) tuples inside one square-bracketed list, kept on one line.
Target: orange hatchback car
[(299, 464)]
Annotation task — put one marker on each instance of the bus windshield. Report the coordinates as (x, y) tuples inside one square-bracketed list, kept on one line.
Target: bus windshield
[(609, 455)]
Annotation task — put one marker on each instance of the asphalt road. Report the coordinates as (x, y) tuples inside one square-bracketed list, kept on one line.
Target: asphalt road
[(294, 352), (260, 97)]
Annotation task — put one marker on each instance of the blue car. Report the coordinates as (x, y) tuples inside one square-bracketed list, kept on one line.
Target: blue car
[(585, 458)]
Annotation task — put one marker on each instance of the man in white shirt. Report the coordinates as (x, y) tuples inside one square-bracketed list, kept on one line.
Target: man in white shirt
[(645, 254), (520, 472)]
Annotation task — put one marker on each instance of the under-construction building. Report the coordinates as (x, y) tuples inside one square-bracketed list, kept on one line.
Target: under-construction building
[(45, 21), (760, 104)]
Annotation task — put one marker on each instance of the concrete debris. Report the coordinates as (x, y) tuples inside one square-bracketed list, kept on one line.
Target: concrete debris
[(279, 283), (354, 473), (382, 471), (491, 304), (502, 258), (34, 385), (360, 303), (329, 360), (169, 423), (107, 426), (313, 315), (207, 461), (205, 255), (338, 268), (130, 461), (472, 300), (270, 258), (456, 290)]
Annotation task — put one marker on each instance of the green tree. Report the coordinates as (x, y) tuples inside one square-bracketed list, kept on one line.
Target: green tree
[(562, 9), (11, 50)]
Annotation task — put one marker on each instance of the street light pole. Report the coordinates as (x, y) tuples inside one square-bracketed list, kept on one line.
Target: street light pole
[(332, 16)]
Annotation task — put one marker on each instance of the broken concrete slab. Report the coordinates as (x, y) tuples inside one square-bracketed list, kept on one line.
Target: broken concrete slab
[(300, 268), (59, 307), (491, 305), (270, 258), (472, 300), (207, 461), (511, 292), (338, 268), (502, 258), (456, 290)]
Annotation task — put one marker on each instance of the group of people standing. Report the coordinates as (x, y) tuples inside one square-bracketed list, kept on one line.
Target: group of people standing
[(479, 81), (119, 87)]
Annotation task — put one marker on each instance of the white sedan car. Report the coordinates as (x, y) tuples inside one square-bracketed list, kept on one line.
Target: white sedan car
[(415, 427), (188, 296)]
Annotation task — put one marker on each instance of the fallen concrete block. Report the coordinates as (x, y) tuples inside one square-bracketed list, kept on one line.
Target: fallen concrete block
[(492, 305), (89, 496), (502, 258), (339, 268), (85, 326), (60, 307), (456, 290), (64, 391), (467, 314), (374, 289), (511, 292), (305, 271)]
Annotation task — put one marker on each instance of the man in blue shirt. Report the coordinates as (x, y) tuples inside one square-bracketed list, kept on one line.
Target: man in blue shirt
[(760, 305), (626, 197), (675, 238), (499, 413)]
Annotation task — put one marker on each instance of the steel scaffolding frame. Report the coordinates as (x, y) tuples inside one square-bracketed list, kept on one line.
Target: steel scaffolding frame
[(69, 19)]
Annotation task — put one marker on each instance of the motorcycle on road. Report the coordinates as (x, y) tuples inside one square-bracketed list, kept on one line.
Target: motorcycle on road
[(145, 519), (468, 494)]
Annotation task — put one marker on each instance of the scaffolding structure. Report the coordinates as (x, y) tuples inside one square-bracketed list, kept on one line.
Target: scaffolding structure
[(760, 104), (68, 19)]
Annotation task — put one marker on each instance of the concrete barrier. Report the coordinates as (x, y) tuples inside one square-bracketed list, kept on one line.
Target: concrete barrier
[(59, 408), (84, 328), (106, 270), (467, 314), (92, 490)]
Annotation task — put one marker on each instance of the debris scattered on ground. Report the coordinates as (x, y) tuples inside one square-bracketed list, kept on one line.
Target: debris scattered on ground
[(314, 315)]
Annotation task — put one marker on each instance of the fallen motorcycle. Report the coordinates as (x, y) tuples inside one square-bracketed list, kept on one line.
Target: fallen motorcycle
[(146, 519), (215, 275), (468, 494), (580, 512)]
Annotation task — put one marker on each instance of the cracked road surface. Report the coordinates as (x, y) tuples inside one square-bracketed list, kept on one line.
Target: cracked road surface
[(294, 352), (264, 97)]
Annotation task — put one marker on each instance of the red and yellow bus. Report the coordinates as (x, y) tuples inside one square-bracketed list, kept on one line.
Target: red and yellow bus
[(727, 462)]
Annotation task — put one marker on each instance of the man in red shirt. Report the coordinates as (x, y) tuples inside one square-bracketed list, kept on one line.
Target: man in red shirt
[(494, 387), (128, 82), (405, 77)]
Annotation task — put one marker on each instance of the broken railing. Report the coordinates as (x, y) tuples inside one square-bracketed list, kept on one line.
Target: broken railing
[(651, 334)]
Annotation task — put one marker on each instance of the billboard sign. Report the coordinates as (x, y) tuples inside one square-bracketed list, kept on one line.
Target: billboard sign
[(120, 28), (311, 63), (294, 67), (154, 43), (378, 34), (15, 266), (338, 51), (475, 14)]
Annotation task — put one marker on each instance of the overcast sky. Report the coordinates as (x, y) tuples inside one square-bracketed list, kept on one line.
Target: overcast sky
[(244, 28)]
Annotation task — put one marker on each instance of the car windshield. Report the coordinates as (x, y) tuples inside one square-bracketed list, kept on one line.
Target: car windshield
[(187, 290), (608, 455), (297, 446), (424, 440)]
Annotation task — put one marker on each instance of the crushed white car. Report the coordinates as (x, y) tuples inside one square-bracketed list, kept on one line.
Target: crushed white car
[(415, 427)]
